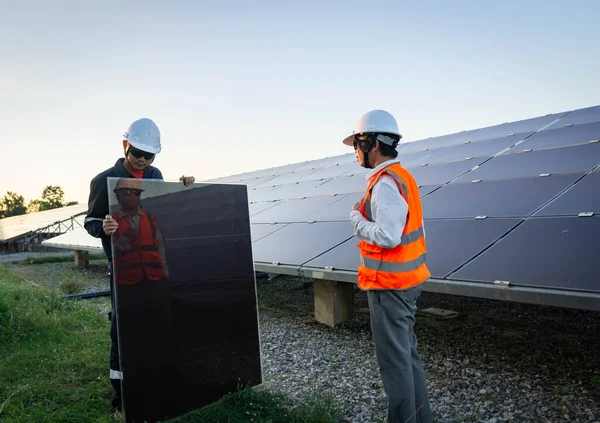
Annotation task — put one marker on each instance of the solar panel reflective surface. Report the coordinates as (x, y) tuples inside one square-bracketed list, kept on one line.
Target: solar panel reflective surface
[(560, 137), (297, 243), (424, 190), (517, 127), (583, 197), (293, 210), (437, 142), (450, 243), (579, 116), (255, 208), (475, 149), (343, 257), (551, 252), (339, 211), (503, 198), (183, 255), (341, 185), (437, 174), (579, 158), (259, 231)]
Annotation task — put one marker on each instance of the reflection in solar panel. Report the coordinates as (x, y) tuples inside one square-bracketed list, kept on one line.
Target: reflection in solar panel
[(579, 158), (570, 135), (583, 197), (577, 117), (543, 252), (503, 198), (297, 243)]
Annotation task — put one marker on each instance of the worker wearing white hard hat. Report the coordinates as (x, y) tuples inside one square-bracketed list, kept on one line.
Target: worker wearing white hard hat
[(388, 221), (141, 143)]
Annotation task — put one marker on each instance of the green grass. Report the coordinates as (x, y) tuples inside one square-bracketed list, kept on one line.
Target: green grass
[(54, 366)]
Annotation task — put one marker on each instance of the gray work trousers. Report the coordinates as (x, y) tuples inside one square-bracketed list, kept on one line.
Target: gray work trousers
[(392, 322)]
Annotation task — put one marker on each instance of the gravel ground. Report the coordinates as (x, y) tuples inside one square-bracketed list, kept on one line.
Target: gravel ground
[(498, 362), (56, 275)]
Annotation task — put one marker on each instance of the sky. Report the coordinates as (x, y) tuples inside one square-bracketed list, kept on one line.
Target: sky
[(236, 86)]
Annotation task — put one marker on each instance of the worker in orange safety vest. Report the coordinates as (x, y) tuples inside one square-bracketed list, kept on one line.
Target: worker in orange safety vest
[(138, 248), (388, 221)]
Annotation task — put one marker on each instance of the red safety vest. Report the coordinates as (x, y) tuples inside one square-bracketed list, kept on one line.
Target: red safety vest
[(143, 258), (403, 266)]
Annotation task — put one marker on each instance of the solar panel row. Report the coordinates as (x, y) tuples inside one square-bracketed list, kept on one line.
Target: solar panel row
[(509, 202), (516, 202)]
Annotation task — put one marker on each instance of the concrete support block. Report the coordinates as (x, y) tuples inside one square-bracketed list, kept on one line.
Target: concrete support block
[(82, 258), (334, 301)]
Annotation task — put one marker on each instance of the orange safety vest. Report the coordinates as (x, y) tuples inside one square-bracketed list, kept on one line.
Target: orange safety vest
[(143, 258), (403, 266)]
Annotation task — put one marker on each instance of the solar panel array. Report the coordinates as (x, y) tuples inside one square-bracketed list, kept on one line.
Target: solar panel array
[(514, 202), (17, 226)]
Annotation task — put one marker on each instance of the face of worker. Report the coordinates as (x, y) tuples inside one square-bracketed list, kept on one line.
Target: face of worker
[(129, 198), (138, 159)]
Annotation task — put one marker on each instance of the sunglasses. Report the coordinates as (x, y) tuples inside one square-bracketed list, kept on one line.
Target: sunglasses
[(129, 192), (139, 154)]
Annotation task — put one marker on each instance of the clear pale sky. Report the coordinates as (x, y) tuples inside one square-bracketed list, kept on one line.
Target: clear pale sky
[(242, 85)]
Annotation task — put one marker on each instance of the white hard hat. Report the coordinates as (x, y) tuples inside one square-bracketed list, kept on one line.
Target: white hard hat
[(144, 135), (374, 121)]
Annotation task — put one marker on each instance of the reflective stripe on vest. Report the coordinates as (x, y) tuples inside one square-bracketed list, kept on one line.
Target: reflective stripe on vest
[(392, 266)]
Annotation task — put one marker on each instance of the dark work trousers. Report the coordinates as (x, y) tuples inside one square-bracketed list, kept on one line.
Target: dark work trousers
[(143, 352), (392, 322)]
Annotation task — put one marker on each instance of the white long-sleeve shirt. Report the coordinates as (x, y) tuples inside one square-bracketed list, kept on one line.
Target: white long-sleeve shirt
[(389, 211)]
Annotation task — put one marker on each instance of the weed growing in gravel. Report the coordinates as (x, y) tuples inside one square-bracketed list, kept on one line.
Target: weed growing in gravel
[(71, 286)]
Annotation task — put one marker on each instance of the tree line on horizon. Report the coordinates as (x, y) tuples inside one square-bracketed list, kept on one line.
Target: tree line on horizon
[(13, 204)]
